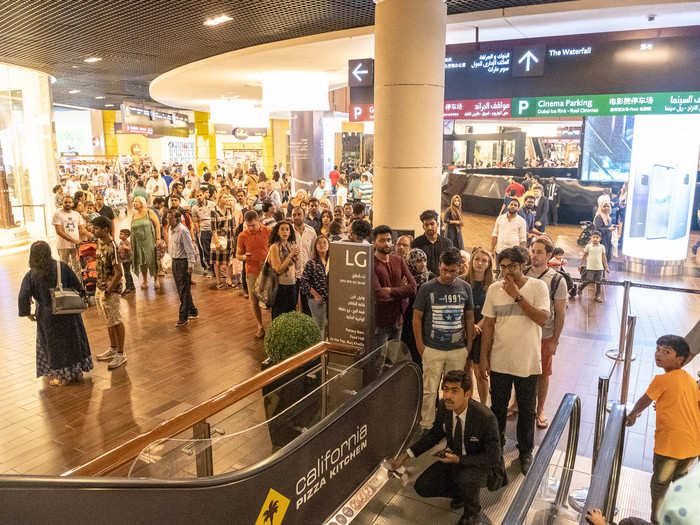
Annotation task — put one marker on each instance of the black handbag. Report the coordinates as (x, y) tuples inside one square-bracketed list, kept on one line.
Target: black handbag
[(65, 301), (267, 284)]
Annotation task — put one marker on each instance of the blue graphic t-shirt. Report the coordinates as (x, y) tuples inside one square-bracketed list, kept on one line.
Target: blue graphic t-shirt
[(443, 308)]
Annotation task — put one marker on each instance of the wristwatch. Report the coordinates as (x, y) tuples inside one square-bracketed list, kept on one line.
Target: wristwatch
[(518, 298)]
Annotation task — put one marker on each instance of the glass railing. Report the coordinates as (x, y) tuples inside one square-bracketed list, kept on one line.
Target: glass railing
[(256, 427)]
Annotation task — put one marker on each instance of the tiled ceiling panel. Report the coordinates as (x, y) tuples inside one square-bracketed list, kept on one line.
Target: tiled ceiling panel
[(140, 39)]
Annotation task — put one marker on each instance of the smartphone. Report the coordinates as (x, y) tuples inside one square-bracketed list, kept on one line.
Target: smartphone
[(659, 202), (640, 202), (680, 209)]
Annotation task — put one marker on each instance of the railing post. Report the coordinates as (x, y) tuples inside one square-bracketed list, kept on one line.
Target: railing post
[(602, 402), (204, 458), (629, 346), (618, 355), (324, 388)]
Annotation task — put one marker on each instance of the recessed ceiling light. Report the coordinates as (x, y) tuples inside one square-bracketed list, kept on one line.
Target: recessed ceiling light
[(74, 67), (74, 91), (92, 60), (217, 20), (109, 105), (99, 98)]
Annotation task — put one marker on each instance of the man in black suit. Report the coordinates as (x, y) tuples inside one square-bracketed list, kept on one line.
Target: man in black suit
[(541, 209), (473, 457)]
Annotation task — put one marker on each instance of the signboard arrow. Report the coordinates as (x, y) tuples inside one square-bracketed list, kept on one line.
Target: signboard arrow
[(528, 57), (358, 72)]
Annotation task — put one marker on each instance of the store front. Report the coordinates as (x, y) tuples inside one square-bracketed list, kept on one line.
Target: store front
[(27, 157)]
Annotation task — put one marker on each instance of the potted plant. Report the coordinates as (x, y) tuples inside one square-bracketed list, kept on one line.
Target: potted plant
[(287, 335)]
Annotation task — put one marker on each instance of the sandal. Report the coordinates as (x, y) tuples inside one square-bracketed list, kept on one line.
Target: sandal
[(56, 381), (156, 285), (260, 333), (542, 421), (144, 286)]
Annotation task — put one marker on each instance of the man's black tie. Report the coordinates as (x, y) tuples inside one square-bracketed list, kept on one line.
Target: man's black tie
[(459, 434)]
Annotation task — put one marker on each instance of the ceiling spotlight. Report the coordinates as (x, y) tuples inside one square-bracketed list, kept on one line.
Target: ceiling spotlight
[(74, 91), (217, 20), (92, 60), (74, 67), (646, 46), (109, 105), (99, 98)]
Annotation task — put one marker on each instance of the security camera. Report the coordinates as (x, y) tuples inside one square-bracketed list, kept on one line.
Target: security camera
[(651, 18)]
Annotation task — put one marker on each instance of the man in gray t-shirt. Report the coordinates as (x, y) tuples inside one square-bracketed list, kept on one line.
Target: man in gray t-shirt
[(540, 253), (201, 216), (443, 325)]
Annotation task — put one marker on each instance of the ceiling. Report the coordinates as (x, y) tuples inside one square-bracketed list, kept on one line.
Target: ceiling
[(238, 75), (141, 39)]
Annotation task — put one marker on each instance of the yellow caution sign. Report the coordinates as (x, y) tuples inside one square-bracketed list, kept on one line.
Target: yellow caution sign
[(273, 510)]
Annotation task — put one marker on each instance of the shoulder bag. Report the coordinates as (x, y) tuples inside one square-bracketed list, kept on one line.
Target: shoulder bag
[(267, 283), (65, 301)]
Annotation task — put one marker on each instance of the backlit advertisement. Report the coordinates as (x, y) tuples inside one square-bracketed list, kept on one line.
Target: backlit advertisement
[(663, 170)]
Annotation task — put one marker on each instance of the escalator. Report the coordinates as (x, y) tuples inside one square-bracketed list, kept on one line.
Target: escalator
[(304, 443)]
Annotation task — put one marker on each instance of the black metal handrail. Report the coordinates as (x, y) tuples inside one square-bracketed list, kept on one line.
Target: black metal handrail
[(602, 493), (569, 412)]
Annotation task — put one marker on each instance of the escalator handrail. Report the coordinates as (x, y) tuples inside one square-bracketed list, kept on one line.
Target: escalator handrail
[(128, 451), (57, 482), (569, 412), (602, 493)]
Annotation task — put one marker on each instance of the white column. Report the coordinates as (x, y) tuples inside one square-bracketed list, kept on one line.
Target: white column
[(409, 89)]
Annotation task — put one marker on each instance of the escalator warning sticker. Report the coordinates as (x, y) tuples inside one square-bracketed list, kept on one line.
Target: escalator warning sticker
[(273, 510)]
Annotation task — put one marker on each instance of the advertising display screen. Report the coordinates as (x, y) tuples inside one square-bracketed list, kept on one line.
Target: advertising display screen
[(663, 168), (607, 148)]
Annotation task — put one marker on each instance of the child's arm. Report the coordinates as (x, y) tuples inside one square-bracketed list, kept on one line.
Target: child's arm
[(583, 260), (605, 262), (639, 407)]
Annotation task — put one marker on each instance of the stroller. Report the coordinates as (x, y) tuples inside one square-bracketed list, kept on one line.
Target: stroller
[(585, 236), (87, 258)]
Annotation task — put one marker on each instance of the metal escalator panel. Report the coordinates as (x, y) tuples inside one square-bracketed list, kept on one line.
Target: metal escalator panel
[(552, 471), (304, 482)]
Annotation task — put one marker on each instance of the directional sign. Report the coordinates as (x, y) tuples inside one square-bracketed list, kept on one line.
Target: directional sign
[(361, 72), (529, 61)]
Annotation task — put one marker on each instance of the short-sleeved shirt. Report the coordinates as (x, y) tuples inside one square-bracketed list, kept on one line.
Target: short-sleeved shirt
[(432, 250), (677, 414), (443, 308), (107, 264), (509, 233), (366, 191), (71, 221), (256, 243), (559, 294), (517, 339), (203, 213), (594, 259)]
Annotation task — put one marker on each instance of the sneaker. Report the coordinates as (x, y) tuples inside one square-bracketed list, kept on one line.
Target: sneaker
[(106, 356), (180, 324), (525, 462), (193, 316), (221, 286), (118, 360)]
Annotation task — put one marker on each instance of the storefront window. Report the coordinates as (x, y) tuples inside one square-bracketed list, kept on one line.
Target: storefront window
[(27, 158)]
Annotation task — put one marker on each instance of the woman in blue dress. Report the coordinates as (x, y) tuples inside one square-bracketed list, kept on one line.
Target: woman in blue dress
[(62, 348)]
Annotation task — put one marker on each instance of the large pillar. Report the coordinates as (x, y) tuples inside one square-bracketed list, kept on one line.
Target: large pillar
[(205, 142), (409, 89), (306, 149)]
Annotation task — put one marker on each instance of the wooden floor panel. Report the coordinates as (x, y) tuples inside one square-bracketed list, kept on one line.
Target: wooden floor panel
[(47, 430)]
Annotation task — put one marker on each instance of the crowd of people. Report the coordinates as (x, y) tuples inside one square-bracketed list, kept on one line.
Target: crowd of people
[(491, 317)]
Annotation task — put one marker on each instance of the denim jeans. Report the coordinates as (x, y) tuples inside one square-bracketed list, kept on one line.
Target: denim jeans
[(319, 314)]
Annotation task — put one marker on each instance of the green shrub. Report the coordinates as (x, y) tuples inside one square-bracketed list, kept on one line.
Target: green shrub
[(288, 334)]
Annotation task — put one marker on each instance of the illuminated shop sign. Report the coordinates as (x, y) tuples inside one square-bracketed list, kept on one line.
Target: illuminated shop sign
[(138, 130), (603, 105), (486, 108)]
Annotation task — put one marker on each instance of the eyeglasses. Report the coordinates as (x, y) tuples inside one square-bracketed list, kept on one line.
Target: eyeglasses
[(510, 267)]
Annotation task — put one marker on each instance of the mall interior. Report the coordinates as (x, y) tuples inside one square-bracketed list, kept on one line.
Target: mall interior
[(147, 147)]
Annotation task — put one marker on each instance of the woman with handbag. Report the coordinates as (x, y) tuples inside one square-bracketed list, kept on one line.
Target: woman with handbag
[(314, 283), (62, 348), (285, 261)]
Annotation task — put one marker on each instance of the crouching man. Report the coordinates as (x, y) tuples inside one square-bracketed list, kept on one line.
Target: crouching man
[(473, 457)]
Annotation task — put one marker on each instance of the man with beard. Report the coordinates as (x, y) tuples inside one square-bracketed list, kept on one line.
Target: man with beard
[(510, 230), (431, 242)]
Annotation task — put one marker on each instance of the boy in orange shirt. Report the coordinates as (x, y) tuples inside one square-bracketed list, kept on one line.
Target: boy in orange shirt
[(677, 437)]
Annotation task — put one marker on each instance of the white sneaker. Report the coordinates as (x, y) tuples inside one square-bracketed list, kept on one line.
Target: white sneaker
[(117, 361), (106, 356)]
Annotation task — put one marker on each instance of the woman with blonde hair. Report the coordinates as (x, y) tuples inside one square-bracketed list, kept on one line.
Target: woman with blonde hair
[(453, 222), (145, 233), (480, 277)]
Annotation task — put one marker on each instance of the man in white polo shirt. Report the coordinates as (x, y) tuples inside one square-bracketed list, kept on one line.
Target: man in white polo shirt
[(514, 312), (510, 230)]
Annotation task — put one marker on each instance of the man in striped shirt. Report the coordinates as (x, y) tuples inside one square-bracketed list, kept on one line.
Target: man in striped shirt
[(365, 191)]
